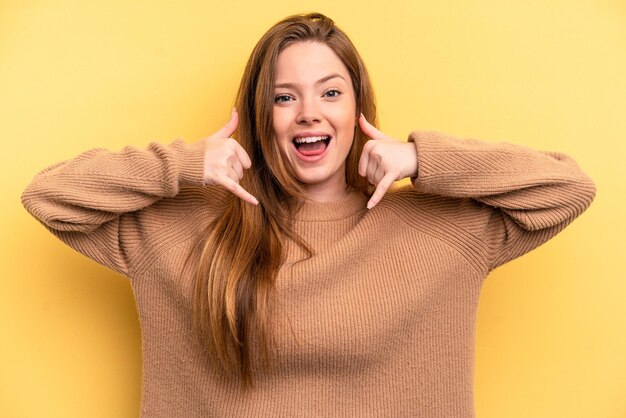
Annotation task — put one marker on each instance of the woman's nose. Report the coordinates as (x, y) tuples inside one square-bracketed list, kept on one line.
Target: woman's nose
[(308, 112)]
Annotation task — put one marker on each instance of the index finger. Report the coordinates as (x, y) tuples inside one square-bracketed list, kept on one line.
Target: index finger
[(381, 189), (239, 191)]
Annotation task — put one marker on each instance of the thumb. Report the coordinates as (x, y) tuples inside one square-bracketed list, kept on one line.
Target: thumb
[(369, 129), (228, 129)]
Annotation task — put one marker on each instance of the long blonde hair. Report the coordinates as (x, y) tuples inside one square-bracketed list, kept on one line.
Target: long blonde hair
[(242, 249)]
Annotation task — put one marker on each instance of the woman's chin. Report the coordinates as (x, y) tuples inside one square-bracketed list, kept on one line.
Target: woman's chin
[(311, 180), (322, 174)]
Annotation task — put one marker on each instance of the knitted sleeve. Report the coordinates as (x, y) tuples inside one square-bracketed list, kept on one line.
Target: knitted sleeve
[(511, 198), (96, 201)]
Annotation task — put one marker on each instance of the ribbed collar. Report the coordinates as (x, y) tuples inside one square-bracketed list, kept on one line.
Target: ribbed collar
[(352, 203)]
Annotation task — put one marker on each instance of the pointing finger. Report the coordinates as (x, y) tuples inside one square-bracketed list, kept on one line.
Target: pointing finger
[(239, 191), (380, 191)]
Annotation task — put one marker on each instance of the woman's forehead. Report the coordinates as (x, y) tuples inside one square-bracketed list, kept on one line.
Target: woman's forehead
[(309, 63)]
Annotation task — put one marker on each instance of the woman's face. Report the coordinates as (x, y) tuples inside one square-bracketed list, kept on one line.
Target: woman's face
[(314, 97)]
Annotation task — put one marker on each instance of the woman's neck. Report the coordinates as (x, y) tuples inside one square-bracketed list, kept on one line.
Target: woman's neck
[(352, 203), (327, 192)]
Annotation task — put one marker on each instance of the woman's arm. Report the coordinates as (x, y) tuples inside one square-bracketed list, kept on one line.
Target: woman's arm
[(96, 201), (513, 198)]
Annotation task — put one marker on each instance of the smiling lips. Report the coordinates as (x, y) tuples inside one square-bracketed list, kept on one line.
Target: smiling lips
[(311, 148)]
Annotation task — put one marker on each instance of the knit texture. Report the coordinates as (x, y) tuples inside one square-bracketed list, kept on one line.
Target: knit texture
[(383, 315)]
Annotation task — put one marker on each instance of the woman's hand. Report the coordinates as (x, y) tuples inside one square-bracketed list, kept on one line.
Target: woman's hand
[(225, 159), (385, 160)]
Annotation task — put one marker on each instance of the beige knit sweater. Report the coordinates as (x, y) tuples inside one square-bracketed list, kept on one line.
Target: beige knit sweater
[(384, 314)]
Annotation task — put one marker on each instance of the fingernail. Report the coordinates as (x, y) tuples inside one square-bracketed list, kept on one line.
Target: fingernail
[(256, 202), (369, 205), (233, 112), (363, 116)]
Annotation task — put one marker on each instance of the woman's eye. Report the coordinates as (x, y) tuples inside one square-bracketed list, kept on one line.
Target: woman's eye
[(284, 98), (334, 90), (277, 99)]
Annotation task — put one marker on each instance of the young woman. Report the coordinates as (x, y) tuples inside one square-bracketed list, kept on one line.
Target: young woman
[(277, 272)]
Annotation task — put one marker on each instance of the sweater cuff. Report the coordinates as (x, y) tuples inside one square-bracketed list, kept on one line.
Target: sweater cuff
[(431, 148), (192, 164), (420, 139)]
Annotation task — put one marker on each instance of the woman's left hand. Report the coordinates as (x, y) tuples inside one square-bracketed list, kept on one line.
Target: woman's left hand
[(385, 160)]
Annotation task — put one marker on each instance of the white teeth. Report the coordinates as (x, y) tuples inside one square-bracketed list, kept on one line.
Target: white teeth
[(310, 139)]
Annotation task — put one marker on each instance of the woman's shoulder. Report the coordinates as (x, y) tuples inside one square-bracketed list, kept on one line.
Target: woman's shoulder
[(420, 209), (173, 221), (210, 201), (408, 197)]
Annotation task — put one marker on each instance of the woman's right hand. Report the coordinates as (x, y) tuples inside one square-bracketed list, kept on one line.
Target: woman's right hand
[(225, 159)]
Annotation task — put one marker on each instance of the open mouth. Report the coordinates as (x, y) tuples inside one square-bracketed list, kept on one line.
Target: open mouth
[(315, 147)]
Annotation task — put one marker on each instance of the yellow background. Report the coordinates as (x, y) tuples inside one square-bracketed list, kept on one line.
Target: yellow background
[(75, 75)]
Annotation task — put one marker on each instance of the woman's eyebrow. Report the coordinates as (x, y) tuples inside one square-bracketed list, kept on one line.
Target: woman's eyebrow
[(321, 80)]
